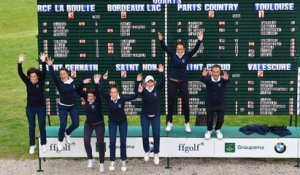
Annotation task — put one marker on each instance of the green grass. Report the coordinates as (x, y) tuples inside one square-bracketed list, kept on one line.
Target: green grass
[(18, 30)]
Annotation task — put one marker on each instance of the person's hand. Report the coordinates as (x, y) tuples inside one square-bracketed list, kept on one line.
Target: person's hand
[(97, 78), (160, 68), (139, 77), (21, 58), (43, 57), (83, 102), (141, 88), (160, 36), (204, 72), (105, 76), (49, 61), (200, 36), (225, 75), (86, 81)]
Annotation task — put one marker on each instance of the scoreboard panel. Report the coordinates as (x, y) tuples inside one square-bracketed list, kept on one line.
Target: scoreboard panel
[(255, 42)]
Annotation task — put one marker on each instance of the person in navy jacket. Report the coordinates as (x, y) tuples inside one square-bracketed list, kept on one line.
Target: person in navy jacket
[(116, 119), (215, 102), (178, 80), (67, 103), (150, 112), (94, 120), (35, 81)]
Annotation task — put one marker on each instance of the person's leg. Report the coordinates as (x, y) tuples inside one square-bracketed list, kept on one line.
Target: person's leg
[(172, 91), (112, 128), (100, 130), (145, 123), (155, 123), (123, 136), (63, 116), (87, 134), (42, 122), (184, 94), (220, 119), (209, 119), (75, 119), (30, 113)]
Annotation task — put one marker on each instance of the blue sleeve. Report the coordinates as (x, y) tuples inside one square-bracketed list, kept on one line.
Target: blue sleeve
[(54, 76), (166, 49), (23, 77), (161, 82), (225, 81), (43, 75), (204, 79), (103, 84), (80, 91)]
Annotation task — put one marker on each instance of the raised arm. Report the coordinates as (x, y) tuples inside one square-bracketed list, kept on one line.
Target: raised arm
[(54, 76), (204, 76), (225, 77), (97, 78), (43, 57), (196, 48), (161, 82), (103, 85), (163, 45), (23, 77), (139, 89), (79, 89)]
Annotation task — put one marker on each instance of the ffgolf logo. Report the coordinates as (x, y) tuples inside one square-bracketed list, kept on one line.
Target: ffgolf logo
[(229, 147), (280, 147)]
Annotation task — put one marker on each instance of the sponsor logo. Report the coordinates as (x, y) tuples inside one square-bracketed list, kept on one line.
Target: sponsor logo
[(66, 147), (280, 147), (190, 148), (250, 147), (229, 147)]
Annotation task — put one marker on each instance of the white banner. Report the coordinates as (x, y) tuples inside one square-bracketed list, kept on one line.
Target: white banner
[(187, 147), (76, 149)]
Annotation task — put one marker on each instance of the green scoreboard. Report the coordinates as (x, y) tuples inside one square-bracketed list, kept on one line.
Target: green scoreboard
[(255, 41)]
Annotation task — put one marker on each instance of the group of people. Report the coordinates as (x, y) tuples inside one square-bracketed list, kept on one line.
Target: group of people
[(149, 90)]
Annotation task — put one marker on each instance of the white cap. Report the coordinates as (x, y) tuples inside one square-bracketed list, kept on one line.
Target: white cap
[(149, 78)]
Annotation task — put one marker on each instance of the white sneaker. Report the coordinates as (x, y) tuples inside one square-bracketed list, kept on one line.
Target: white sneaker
[(112, 166), (123, 165), (90, 163), (219, 134), (44, 148), (156, 159), (169, 126), (59, 146), (207, 135), (31, 149), (101, 168), (68, 139), (187, 127), (146, 158)]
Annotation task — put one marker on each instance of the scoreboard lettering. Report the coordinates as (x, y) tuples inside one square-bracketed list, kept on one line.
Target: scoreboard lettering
[(255, 42)]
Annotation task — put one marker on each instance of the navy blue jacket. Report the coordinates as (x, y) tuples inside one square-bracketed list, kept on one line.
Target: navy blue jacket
[(35, 92), (179, 65), (93, 111), (67, 92), (150, 100), (116, 111), (215, 91)]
